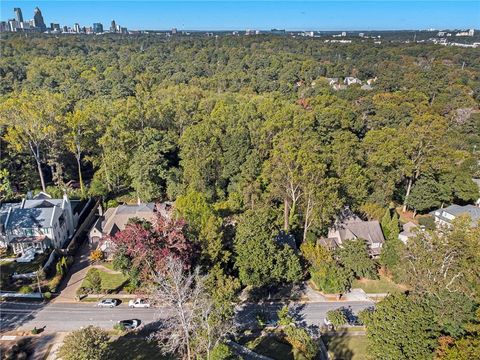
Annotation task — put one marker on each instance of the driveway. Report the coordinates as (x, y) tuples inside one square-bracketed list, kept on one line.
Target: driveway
[(75, 276)]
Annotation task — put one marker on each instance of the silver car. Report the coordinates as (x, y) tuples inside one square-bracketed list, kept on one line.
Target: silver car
[(129, 324), (108, 303)]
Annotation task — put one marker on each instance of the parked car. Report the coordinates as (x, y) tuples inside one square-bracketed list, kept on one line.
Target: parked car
[(139, 303), (129, 324), (108, 303)]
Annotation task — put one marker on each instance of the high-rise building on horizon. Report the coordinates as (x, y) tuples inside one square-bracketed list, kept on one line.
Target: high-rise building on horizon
[(38, 19), (97, 28), (18, 14), (76, 28), (55, 27), (113, 27)]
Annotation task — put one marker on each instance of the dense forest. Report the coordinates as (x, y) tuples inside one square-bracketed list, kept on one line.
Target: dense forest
[(248, 133)]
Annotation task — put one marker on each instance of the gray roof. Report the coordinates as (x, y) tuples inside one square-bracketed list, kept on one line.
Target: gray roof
[(457, 210), (31, 218), (329, 243), (116, 219), (367, 230), (31, 213)]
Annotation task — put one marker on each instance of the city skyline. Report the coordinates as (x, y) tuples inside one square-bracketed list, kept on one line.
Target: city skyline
[(263, 15)]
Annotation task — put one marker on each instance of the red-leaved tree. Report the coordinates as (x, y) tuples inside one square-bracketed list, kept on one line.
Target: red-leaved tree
[(149, 245)]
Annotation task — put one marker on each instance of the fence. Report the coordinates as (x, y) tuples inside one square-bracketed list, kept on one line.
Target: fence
[(13, 294)]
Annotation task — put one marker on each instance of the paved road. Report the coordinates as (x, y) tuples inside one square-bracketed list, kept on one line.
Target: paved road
[(57, 317)]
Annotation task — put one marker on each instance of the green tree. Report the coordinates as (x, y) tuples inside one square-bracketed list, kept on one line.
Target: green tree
[(79, 136), (401, 327), (353, 255), (148, 167), (6, 191), (463, 348), (94, 280), (30, 121), (326, 273), (445, 260), (204, 223), (90, 343), (259, 260), (337, 317), (427, 194)]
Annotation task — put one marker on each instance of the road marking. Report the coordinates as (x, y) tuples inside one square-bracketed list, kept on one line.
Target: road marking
[(8, 337)]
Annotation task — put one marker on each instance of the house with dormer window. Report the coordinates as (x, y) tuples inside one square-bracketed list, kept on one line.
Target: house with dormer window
[(38, 223)]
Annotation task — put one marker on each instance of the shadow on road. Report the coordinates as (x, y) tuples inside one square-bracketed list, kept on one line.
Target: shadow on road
[(17, 313)]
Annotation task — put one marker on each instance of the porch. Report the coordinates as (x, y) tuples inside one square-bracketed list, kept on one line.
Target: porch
[(38, 243)]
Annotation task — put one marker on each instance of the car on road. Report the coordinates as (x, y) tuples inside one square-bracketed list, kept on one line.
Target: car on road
[(129, 324), (108, 303), (139, 303)]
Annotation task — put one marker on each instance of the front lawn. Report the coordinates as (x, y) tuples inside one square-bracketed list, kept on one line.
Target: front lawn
[(342, 346), (110, 282), (272, 347), (10, 267), (380, 286)]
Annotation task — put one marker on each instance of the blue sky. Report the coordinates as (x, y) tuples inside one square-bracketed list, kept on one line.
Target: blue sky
[(227, 15)]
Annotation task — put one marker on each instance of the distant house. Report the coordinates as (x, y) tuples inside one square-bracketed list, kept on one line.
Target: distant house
[(409, 231), (350, 80), (38, 223), (339, 87), (366, 87), (116, 219), (477, 181), (351, 227), (332, 81), (446, 215)]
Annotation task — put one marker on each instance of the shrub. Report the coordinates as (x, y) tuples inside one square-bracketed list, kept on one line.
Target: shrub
[(284, 318), (35, 331), (47, 295), (96, 256), (54, 282), (90, 343), (301, 340), (94, 280), (222, 352), (21, 350), (25, 289), (111, 203), (428, 222), (337, 317), (119, 327)]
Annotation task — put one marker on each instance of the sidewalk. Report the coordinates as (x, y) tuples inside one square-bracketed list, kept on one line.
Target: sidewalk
[(353, 295)]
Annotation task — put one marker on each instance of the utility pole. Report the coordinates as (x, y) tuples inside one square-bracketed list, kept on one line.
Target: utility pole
[(38, 283)]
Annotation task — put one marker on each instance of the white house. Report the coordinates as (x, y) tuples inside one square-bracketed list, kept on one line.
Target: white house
[(409, 230), (349, 80), (37, 223), (477, 181), (446, 215)]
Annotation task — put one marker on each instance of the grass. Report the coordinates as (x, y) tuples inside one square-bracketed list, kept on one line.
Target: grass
[(380, 286), (272, 347), (343, 346), (108, 265), (9, 267), (135, 349), (110, 282)]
